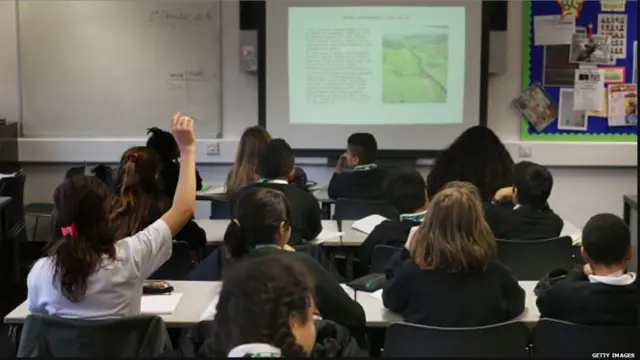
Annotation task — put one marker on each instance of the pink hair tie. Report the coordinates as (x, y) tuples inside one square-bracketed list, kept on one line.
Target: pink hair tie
[(70, 230), (133, 158)]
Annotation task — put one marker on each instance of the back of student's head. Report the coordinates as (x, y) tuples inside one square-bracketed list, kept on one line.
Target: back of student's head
[(363, 146), (245, 166), (138, 189), (261, 216), (606, 240), (533, 183), (476, 156), (82, 235), (276, 160), (454, 235), (406, 191), (164, 144), (265, 300)]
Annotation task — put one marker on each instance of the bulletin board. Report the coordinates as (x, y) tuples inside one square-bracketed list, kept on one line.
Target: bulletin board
[(559, 73)]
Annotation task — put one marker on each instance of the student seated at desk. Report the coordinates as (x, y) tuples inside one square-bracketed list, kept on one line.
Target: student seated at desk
[(261, 226), (356, 175), (88, 273), (476, 156), (521, 211), (139, 200), (602, 292), (450, 277), (275, 167), (265, 309), (406, 193), (244, 171)]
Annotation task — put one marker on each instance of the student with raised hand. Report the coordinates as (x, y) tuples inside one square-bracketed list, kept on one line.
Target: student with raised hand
[(356, 175), (603, 292), (139, 200), (244, 171), (261, 225), (521, 211), (275, 167), (476, 156), (88, 273), (450, 277), (265, 309), (164, 144), (406, 192)]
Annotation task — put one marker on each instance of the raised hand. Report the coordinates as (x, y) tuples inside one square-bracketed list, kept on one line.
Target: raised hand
[(182, 129)]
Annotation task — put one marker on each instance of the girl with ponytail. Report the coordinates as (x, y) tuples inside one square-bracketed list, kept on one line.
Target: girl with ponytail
[(89, 273)]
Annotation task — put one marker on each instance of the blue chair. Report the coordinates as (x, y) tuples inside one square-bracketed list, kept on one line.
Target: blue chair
[(509, 339), (220, 209), (552, 338), (380, 257), (532, 259)]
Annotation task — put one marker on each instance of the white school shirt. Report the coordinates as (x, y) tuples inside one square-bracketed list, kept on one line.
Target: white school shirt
[(115, 289)]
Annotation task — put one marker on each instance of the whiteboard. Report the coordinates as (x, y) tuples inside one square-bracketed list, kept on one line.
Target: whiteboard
[(113, 68)]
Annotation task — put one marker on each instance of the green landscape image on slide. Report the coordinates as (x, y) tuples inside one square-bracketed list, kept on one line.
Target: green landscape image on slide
[(415, 68)]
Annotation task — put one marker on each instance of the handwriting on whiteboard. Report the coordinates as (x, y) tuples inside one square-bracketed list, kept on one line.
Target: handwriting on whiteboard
[(166, 17), (179, 80)]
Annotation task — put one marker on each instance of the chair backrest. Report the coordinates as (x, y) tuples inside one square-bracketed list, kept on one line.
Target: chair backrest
[(556, 339), (380, 257), (131, 336), (352, 209), (220, 209), (530, 260), (13, 187), (508, 339), (178, 265)]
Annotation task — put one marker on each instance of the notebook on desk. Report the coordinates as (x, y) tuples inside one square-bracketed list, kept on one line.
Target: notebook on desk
[(366, 225), (159, 304)]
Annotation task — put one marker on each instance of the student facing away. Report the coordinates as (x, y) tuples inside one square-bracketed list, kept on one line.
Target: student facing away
[(356, 175), (450, 277), (521, 211), (244, 171), (89, 274), (405, 191), (275, 167), (603, 292), (265, 309), (261, 226), (139, 200)]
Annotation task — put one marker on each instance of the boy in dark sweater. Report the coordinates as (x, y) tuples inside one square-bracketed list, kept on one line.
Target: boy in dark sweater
[(356, 175), (521, 212), (275, 166), (406, 193), (602, 292)]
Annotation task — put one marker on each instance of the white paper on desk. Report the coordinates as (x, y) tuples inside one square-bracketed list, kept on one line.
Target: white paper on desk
[(159, 304), (6, 176), (588, 89), (377, 294), (210, 312), (553, 29), (369, 223), (349, 290), (214, 191), (327, 235)]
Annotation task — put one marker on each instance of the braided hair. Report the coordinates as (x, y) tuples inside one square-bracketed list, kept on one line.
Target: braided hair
[(257, 299)]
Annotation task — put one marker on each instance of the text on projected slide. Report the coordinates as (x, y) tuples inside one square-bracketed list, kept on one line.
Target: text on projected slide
[(376, 65)]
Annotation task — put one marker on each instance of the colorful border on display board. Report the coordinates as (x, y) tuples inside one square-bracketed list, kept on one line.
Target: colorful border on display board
[(533, 69)]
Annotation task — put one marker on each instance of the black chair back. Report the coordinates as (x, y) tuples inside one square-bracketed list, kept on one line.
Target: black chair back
[(530, 260), (351, 209), (508, 339), (13, 187), (380, 257), (560, 339), (178, 265), (220, 209)]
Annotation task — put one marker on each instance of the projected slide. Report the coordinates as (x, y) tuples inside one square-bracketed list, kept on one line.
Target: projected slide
[(376, 65)]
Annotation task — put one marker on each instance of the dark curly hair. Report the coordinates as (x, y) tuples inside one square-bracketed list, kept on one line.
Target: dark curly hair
[(476, 156), (257, 298)]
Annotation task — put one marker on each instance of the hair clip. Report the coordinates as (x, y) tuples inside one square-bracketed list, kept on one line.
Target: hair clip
[(132, 158), (70, 230)]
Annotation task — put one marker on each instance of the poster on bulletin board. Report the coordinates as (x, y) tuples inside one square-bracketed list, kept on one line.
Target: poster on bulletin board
[(579, 71)]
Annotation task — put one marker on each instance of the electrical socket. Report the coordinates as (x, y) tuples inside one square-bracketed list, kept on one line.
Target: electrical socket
[(524, 151), (213, 149)]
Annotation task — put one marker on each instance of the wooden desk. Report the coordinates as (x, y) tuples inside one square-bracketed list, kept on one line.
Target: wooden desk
[(630, 215)]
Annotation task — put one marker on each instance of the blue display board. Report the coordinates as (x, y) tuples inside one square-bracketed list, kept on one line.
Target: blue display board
[(535, 57)]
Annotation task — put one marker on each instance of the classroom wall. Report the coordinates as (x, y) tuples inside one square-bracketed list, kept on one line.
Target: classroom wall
[(579, 192)]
